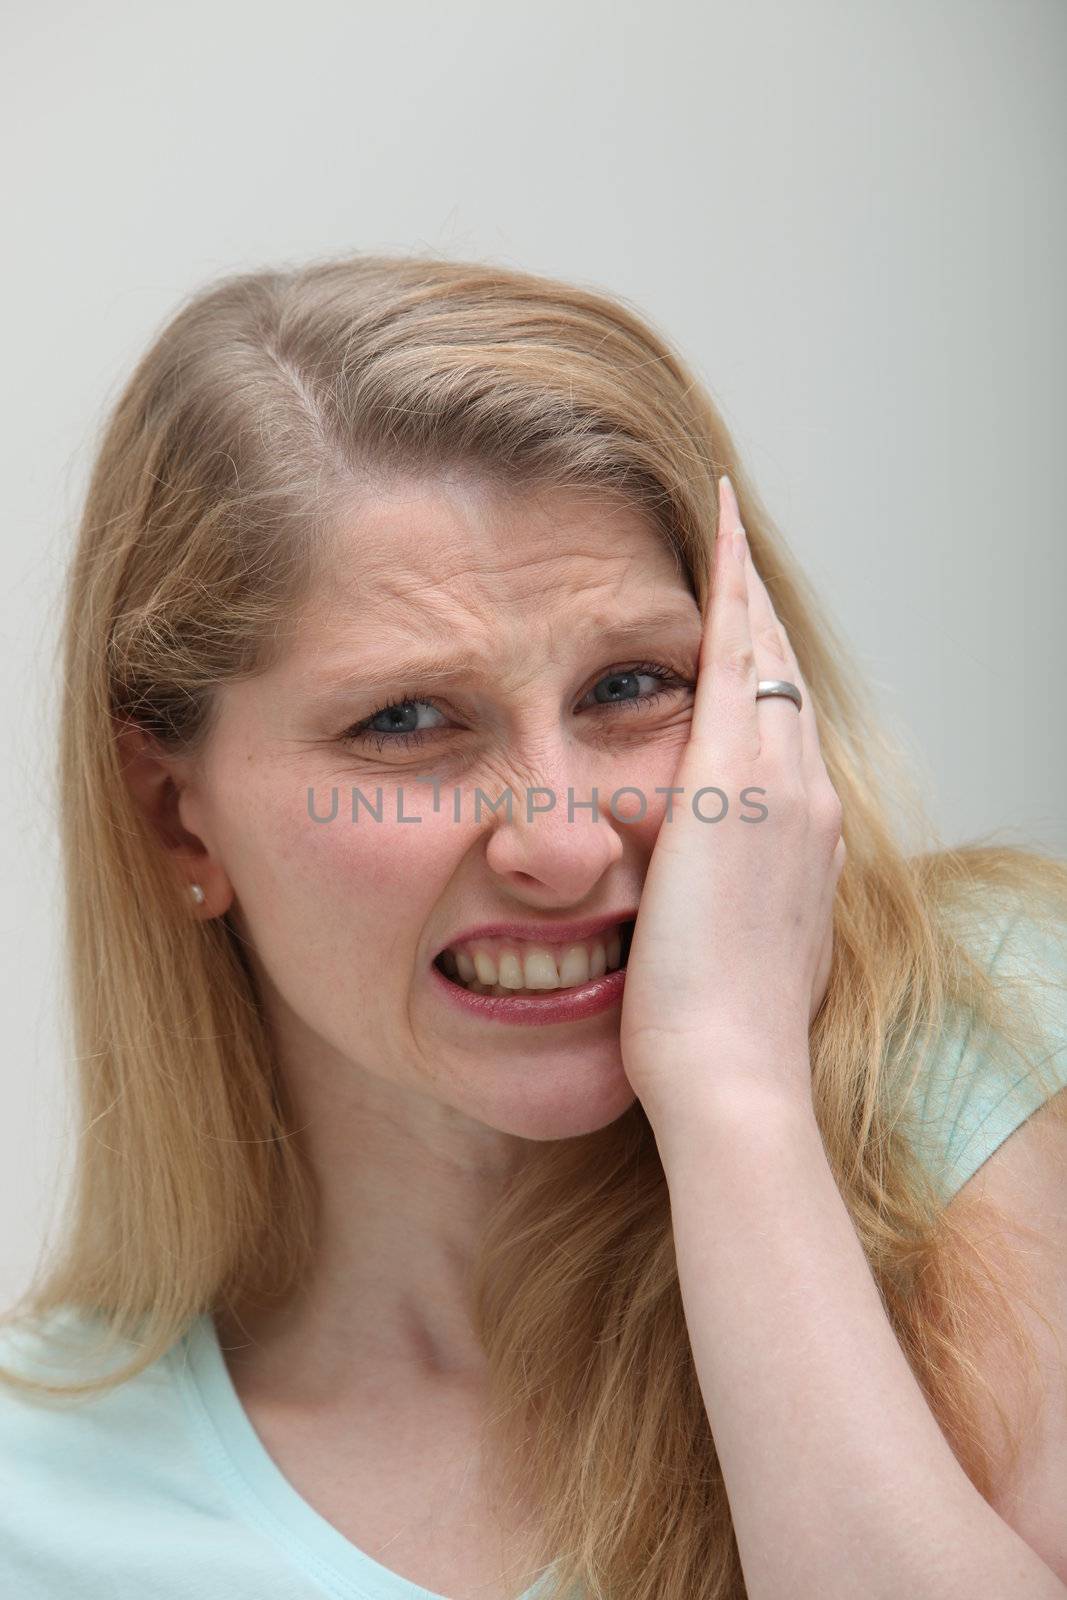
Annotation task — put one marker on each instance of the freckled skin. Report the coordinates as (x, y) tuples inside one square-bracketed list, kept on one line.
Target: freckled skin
[(343, 919)]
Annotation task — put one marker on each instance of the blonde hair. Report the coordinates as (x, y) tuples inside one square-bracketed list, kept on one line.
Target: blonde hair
[(264, 401)]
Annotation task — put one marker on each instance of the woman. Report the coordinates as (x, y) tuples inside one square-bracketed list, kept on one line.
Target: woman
[(416, 1247)]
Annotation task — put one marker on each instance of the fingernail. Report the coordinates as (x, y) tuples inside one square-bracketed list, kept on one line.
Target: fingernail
[(724, 543), (737, 543), (731, 501)]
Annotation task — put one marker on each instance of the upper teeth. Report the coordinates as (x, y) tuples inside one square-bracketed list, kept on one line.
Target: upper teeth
[(517, 965)]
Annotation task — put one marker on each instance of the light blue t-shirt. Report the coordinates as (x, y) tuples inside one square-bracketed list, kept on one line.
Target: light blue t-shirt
[(968, 1100), (162, 1489)]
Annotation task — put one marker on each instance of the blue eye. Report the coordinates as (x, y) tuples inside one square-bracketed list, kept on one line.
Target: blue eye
[(400, 714), (621, 682)]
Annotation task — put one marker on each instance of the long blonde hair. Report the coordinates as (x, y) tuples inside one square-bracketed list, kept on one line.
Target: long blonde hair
[(222, 465)]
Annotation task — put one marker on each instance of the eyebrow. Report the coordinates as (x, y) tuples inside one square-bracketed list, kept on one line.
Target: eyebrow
[(439, 666)]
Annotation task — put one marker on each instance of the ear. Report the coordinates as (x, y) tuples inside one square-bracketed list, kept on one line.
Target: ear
[(157, 782)]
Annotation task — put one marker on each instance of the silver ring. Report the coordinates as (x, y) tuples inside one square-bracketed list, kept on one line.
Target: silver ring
[(767, 688)]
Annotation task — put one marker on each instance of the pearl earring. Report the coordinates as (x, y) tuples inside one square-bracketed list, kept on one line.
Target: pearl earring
[(197, 893)]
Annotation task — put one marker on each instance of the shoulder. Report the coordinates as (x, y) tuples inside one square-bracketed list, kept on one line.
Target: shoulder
[(83, 1479), (978, 1087), (60, 1435), (126, 1493)]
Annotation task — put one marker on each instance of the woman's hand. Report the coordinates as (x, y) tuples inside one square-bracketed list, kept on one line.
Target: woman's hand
[(732, 946)]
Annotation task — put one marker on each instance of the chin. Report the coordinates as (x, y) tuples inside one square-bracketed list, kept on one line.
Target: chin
[(560, 1110)]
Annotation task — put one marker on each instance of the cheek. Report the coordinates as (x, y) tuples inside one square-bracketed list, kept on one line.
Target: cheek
[(310, 878), (367, 867), (363, 862), (638, 810), (336, 910)]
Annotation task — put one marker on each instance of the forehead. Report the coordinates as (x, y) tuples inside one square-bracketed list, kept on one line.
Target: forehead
[(427, 558)]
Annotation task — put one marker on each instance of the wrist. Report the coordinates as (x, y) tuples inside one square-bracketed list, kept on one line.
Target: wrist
[(725, 1114)]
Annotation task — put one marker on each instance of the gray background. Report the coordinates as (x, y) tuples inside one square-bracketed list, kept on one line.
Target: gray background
[(848, 213)]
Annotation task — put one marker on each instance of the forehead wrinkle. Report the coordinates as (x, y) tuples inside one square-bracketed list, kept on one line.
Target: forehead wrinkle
[(600, 584), (441, 662), (410, 567), (401, 544), (420, 607), (497, 599)]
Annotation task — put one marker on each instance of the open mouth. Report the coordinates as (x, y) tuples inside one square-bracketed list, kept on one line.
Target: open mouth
[(446, 965)]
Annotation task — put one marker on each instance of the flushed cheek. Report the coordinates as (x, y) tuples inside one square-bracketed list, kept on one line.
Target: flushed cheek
[(372, 860), (337, 913), (358, 863), (326, 882), (369, 891)]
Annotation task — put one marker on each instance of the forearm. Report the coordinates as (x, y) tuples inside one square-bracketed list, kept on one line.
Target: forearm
[(840, 1481)]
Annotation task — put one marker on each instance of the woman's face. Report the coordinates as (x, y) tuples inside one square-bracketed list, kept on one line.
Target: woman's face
[(548, 597)]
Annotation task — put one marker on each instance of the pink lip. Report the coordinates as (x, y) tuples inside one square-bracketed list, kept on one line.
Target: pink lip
[(545, 932), (535, 1010)]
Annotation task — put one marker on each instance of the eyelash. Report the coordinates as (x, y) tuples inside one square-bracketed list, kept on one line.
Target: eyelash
[(360, 732)]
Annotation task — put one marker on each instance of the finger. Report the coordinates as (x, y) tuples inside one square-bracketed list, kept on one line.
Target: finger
[(724, 706), (813, 766), (781, 726)]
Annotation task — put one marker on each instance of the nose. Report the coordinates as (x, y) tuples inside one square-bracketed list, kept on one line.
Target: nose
[(555, 847)]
